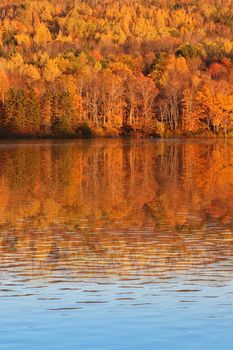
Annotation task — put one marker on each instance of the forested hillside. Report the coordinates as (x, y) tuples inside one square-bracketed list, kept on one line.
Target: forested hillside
[(113, 67)]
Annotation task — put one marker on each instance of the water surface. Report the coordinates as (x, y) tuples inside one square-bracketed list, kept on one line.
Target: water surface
[(116, 244)]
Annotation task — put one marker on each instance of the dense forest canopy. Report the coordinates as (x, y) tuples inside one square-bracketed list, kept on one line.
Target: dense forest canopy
[(141, 67)]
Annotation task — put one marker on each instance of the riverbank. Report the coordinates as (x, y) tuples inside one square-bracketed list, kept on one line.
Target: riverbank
[(90, 134)]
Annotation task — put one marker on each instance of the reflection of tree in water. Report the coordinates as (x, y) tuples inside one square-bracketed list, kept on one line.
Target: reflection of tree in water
[(116, 205)]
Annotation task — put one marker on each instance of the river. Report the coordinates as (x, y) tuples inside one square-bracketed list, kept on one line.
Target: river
[(116, 244)]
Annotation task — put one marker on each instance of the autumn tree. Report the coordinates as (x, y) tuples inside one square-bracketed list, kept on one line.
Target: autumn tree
[(190, 119), (147, 93)]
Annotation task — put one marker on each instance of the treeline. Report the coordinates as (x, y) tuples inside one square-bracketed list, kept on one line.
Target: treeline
[(148, 68)]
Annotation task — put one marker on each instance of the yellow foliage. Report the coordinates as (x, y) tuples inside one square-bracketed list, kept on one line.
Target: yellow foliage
[(51, 70), (42, 35), (31, 72), (23, 40)]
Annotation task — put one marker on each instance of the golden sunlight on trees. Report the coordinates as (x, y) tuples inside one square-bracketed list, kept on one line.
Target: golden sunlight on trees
[(42, 35), (4, 84), (117, 68)]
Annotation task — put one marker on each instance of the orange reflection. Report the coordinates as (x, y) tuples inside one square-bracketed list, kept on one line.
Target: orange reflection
[(105, 207)]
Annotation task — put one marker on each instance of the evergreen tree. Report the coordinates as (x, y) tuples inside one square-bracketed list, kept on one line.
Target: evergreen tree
[(15, 116), (46, 112), (32, 112), (62, 113)]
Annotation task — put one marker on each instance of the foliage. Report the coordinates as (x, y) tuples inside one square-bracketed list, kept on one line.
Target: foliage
[(147, 68)]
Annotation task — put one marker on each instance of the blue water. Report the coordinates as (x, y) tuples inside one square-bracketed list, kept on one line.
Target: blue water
[(157, 316), (86, 272)]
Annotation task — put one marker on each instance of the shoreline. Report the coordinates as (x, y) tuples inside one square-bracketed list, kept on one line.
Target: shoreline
[(108, 137)]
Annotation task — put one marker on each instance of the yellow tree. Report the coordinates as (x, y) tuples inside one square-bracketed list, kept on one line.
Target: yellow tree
[(206, 105), (112, 100), (4, 84), (147, 93), (42, 35), (226, 106), (190, 119), (51, 70)]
